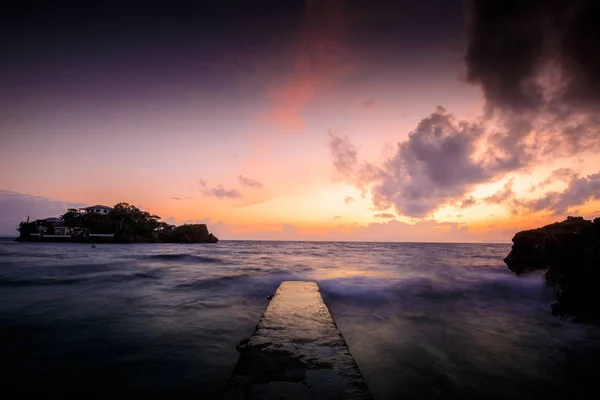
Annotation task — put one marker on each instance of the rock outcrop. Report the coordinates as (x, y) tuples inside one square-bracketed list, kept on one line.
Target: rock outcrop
[(569, 251)]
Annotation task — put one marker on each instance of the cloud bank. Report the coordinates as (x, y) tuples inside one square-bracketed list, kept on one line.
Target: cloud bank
[(439, 162), (15, 207), (527, 55), (537, 66), (580, 190)]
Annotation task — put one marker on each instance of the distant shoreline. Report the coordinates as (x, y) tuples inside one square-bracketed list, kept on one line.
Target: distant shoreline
[(123, 223), (12, 238)]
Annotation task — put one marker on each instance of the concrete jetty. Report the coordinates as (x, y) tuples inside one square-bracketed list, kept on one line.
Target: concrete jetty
[(296, 352)]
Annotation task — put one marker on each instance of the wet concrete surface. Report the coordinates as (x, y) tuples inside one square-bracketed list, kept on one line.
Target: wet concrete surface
[(296, 352)]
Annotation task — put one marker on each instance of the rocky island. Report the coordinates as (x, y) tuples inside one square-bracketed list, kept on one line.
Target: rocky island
[(122, 223), (569, 251)]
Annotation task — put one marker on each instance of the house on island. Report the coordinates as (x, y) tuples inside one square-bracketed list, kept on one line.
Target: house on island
[(43, 225), (51, 227), (96, 209), (63, 230)]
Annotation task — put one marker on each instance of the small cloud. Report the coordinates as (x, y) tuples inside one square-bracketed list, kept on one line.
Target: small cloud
[(369, 103), (349, 200), (501, 196), (245, 181), (218, 191), (385, 215), (221, 193), (176, 198), (337, 216), (561, 174), (468, 202), (345, 157)]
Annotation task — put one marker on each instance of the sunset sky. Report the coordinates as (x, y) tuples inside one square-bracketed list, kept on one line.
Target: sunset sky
[(420, 120)]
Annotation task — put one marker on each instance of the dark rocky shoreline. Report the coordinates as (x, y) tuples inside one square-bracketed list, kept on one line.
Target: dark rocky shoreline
[(569, 251), (185, 240)]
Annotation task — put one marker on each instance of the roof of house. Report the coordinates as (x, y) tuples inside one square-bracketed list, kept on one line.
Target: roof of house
[(99, 206)]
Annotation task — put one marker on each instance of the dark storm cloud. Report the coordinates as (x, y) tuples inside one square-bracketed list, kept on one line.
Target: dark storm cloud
[(513, 43), (580, 190), (537, 64), (245, 181)]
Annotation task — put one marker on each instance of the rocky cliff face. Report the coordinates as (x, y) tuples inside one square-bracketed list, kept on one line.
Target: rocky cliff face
[(570, 253)]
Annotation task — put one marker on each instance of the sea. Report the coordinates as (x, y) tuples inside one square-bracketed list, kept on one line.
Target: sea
[(422, 320)]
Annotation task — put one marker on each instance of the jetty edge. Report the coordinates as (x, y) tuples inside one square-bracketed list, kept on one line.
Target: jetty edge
[(296, 352)]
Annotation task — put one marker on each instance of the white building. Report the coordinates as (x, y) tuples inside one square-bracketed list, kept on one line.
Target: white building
[(97, 209), (62, 230)]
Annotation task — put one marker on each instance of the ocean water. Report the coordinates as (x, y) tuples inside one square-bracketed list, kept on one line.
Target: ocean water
[(157, 320)]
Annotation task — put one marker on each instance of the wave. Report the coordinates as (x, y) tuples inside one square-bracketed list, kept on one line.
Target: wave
[(39, 281), (83, 279), (437, 290), (210, 282), (189, 258), (30, 254)]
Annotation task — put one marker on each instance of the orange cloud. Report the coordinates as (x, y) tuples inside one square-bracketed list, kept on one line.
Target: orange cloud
[(319, 55)]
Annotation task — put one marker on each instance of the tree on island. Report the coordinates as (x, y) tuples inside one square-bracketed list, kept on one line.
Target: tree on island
[(128, 224), (133, 221), (26, 228)]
